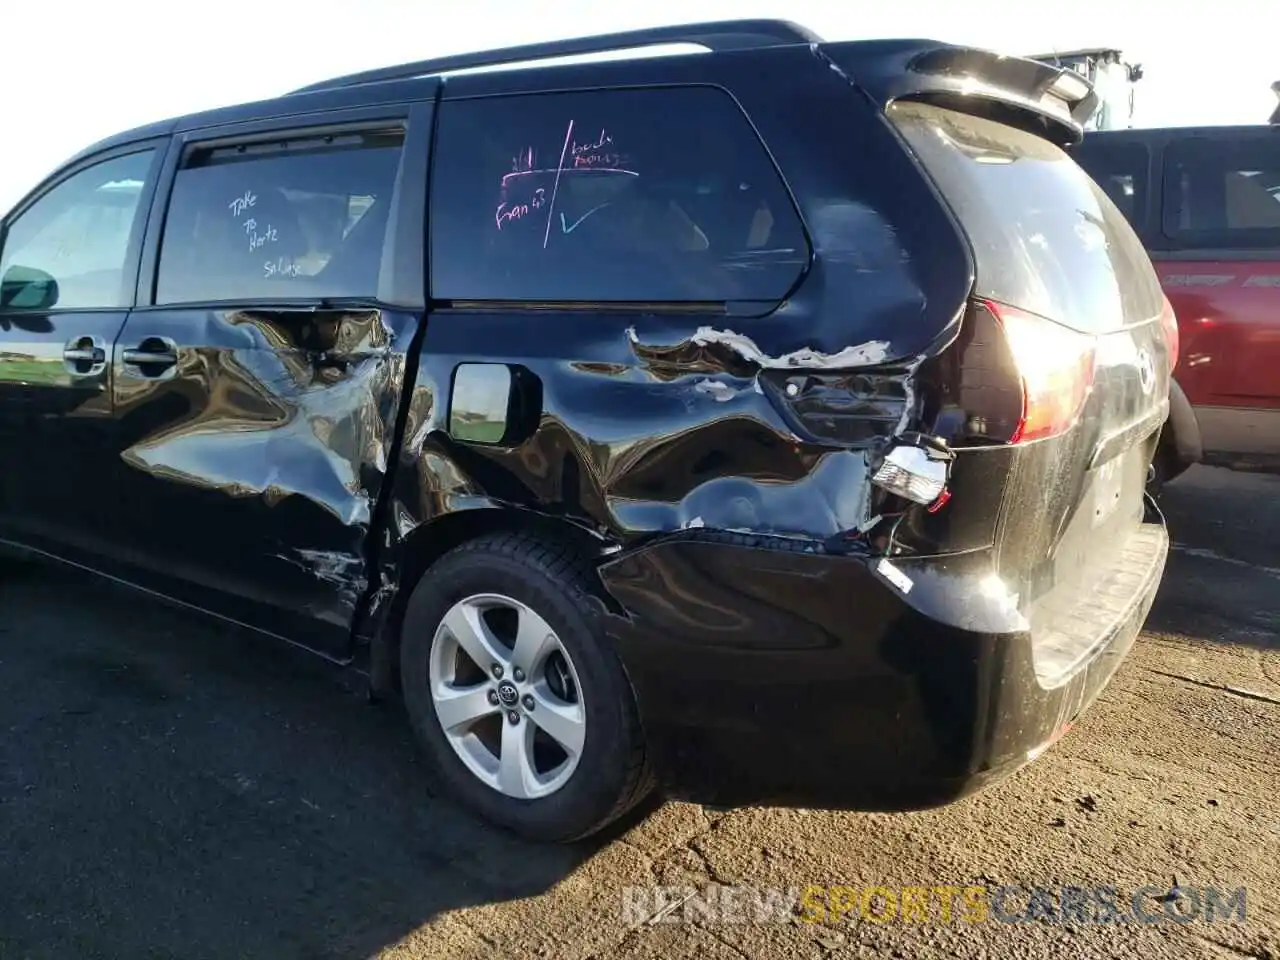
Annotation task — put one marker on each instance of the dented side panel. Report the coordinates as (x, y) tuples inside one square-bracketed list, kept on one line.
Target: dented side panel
[(251, 470), (655, 422), (638, 433)]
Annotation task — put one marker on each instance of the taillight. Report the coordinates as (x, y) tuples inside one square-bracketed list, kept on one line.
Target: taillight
[(1056, 366), (1169, 323), (851, 408)]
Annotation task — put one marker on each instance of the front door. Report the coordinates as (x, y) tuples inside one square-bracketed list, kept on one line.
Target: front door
[(69, 265)]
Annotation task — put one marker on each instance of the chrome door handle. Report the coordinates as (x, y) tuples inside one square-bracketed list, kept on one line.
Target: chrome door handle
[(147, 358), (152, 357), (85, 356)]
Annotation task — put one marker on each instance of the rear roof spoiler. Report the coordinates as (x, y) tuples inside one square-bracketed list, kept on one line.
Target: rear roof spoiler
[(1054, 102)]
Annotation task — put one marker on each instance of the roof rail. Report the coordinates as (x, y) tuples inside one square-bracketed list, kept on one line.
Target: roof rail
[(715, 36)]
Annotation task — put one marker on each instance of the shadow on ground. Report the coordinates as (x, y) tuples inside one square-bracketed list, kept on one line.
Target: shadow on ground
[(1225, 529), (172, 789)]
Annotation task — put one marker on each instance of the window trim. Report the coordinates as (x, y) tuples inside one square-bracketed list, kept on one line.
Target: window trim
[(714, 307), (738, 307), (401, 282), (141, 216)]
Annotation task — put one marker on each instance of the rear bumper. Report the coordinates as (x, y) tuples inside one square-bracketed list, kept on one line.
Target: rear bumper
[(800, 679)]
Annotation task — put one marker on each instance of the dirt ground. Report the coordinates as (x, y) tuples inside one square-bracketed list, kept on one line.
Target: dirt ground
[(171, 789)]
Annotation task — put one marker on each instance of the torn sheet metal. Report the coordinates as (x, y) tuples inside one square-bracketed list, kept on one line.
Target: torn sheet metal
[(344, 571), (859, 355)]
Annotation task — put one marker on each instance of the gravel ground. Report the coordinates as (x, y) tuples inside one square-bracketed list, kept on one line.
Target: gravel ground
[(170, 788)]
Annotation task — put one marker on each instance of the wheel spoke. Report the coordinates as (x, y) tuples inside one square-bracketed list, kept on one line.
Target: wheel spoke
[(537, 687), (516, 774), (565, 723), (534, 640), (467, 626), (462, 706)]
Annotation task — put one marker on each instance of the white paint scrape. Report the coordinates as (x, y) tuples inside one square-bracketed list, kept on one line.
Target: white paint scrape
[(865, 354)]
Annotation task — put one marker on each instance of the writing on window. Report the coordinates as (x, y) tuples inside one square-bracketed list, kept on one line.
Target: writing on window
[(620, 195), (530, 191), (290, 223)]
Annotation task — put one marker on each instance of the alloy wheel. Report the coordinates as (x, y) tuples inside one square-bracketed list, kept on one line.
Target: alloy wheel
[(507, 696)]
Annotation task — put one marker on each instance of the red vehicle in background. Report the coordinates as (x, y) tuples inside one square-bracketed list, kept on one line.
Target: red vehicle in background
[(1206, 204)]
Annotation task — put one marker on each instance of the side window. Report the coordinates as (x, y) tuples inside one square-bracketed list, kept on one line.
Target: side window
[(77, 236), (1121, 170), (1222, 192), (303, 218), (614, 195)]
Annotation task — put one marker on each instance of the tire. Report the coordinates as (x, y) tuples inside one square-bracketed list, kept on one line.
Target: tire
[(1168, 466), (547, 584)]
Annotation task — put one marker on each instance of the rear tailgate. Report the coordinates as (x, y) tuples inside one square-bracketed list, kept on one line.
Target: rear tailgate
[(1058, 271)]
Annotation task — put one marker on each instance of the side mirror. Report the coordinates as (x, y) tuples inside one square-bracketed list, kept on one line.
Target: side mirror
[(26, 288)]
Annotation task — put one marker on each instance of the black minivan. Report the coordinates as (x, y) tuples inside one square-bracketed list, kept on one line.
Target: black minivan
[(768, 424)]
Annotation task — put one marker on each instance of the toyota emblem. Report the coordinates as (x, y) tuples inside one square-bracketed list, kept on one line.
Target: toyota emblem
[(508, 693)]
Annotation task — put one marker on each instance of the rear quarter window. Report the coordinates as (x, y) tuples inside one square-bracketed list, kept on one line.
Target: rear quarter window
[(1046, 238), (609, 196), (1223, 192)]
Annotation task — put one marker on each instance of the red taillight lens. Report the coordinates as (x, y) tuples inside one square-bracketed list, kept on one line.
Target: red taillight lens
[(1169, 322), (1056, 366)]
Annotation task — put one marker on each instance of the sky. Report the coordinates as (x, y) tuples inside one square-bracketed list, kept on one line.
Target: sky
[(75, 72)]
